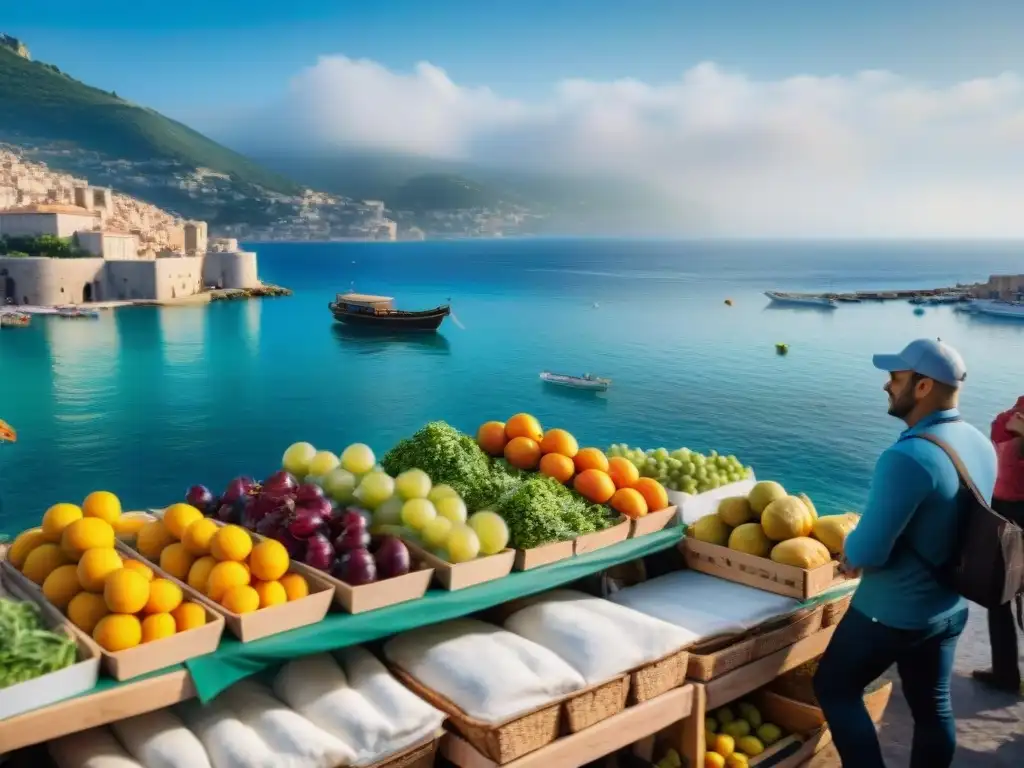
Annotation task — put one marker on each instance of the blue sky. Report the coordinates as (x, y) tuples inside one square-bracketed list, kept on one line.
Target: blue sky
[(190, 55)]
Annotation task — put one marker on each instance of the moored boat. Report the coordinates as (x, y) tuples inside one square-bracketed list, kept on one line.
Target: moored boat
[(14, 320), (78, 313), (801, 299), (366, 311), (586, 381), (995, 308)]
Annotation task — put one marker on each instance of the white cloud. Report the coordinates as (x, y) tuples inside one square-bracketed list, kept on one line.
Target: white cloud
[(872, 154)]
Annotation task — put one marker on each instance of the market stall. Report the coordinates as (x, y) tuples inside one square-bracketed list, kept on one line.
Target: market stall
[(518, 544)]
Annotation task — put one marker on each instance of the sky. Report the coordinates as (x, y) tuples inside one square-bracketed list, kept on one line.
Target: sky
[(780, 117)]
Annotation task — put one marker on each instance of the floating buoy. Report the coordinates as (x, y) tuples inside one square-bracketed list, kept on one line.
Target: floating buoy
[(728, 302), (918, 311), (781, 349)]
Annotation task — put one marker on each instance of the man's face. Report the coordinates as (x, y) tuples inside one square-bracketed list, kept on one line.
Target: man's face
[(902, 390)]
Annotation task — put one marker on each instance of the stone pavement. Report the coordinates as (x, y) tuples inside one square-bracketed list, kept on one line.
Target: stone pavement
[(990, 725)]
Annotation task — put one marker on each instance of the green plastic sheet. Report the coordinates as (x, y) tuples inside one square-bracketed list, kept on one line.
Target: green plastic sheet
[(234, 661)]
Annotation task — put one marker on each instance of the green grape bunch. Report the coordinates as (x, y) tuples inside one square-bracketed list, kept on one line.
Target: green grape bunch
[(684, 470)]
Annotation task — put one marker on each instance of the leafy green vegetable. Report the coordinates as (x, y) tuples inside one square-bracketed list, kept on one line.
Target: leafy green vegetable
[(542, 510), (27, 649)]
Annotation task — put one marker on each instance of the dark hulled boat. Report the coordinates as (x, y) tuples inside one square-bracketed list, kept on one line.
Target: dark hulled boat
[(369, 312)]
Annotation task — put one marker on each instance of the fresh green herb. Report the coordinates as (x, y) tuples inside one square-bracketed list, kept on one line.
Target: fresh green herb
[(27, 649), (541, 510)]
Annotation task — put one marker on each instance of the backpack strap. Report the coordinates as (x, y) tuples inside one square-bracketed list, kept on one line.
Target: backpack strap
[(961, 470)]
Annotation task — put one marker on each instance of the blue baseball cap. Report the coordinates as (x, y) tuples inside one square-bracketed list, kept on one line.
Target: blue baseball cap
[(931, 359)]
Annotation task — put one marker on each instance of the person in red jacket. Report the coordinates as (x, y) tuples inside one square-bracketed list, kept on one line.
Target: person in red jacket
[(1008, 501)]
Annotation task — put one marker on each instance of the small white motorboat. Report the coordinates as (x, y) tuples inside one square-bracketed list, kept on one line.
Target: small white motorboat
[(801, 300), (586, 381)]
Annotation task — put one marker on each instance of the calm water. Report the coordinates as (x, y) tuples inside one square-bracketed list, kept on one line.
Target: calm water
[(145, 402)]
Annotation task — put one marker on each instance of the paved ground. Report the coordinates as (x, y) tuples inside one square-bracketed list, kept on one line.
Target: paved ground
[(990, 726)]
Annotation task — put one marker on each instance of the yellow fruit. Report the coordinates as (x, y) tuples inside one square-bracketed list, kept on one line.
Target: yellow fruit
[(178, 517), (786, 518), (164, 596), (138, 567), (157, 626), (151, 540), (735, 511), (724, 715), (176, 560), (723, 744), (86, 609), (103, 505), (750, 713), (25, 543), (242, 599), (94, 567), (188, 616), (199, 573), (224, 576), (42, 561), (763, 494), (832, 531), (62, 585), (750, 745), (710, 724), (270, 593), (710, 529), (87, 533), (737, 729), (118, 632), (268, 560), (232, 542), (736, 760), (713, 760), (126, 591), (769, 733), (809, 504), (801, 553), (57, 518), (295, 586), (198, 536), (128, 525), (750, 538)]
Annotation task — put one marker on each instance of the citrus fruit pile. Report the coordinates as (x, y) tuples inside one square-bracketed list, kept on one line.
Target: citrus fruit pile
[(220, 561), (556, 453), (735, 735), (117, 600)]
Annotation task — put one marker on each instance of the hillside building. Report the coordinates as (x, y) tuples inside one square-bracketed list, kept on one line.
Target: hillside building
[(1005, 287)]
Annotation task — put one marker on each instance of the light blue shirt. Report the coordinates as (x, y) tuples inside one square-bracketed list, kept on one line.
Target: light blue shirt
[(914, 494)]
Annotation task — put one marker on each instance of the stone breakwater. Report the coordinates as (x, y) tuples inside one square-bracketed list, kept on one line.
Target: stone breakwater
[(260, 292)]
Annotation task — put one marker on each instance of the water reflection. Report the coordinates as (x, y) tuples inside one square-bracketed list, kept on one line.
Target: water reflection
[(599, 399), (371, 342), (252, 316), (183, 330)]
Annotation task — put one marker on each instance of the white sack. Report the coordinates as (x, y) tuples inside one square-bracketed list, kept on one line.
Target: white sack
[(229, 742), (490, 674), (160, 740), (95, 748)]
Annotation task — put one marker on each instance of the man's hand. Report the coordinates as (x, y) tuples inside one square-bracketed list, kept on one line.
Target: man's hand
[(846, 570), (1015, 425)]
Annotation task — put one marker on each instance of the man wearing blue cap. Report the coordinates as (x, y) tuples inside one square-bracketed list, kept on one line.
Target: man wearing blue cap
[(900, 613)]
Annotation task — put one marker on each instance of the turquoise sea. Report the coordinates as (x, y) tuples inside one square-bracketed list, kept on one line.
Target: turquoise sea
[(146, 401)]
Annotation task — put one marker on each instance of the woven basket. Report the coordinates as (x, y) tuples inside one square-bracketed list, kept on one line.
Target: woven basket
[(802, 624), (657, 678), (599, 703), (833, 612), (418, 757), (713, 658), (501, 742)]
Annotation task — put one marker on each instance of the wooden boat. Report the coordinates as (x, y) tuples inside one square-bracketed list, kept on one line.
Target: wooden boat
[(782, 349), (15, 320), (77, 313), (586, 381), (367, 311), (801, 300)]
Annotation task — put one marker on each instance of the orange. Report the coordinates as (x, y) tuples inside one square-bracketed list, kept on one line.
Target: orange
[(57, 518), (86, 609), (232, 542), (178, 517), (62, 585), (524, 425), (95, 566), (103, 505), (522, 453), (42, 561), (559, 441), (199, 573), (241, 599), (126, 591), (176, 560), (590, 458), (87, 533), (135, 565), (151, 539), (594, 485), (164, 596), (198, 536), (654, 493), (623, 472), (557, 466), (295, 586), (268, 560), (188, 616), (25, 543), (224, 576), (158, 626), (629, 502), (491, 437), (118, 632), (270, 592)]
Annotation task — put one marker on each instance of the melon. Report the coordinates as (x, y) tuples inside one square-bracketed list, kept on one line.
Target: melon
[(735, 511), (750, 538), (809, 504), (801, 552), (710, 529), (832, 531), (763, 494), (786, 518)]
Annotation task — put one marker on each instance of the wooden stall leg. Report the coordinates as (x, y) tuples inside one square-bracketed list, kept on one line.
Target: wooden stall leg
[(691, 747)]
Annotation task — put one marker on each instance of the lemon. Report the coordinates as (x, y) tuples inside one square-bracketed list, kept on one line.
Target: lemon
[(23, 544), (295, 586), (188, 616), (224, 576), (86, 609), (62, 585), (270, 593), (87, 533), (269, 560), (176, 560), (140, 568), (126, 591), (164, 596), (42, 561), (178, 517), (151, 540), (199, 573), (241, 599), (198, 536), (157, 626)]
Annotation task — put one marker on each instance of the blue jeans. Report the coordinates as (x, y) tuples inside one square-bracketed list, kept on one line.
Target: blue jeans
[(861, 650)]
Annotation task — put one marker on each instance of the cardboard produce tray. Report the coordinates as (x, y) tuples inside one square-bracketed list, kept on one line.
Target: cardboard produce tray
[(455, 576), (528, 559), (590, 542), (653, 522)]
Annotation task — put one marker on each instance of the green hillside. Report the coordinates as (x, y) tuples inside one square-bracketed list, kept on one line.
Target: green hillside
[(41, 104)]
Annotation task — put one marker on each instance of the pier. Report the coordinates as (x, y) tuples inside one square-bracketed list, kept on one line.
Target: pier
[(899, 295)]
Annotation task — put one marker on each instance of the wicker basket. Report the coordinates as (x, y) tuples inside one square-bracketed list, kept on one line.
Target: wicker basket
[(658, 677), (595, 704), (417, 757), (834, 611), (800, 625), (501, 742)]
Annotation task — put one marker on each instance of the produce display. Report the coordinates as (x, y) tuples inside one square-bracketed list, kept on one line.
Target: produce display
[(27, 648), (736, 733), (770, 523), (683, 470), (116, 600)]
